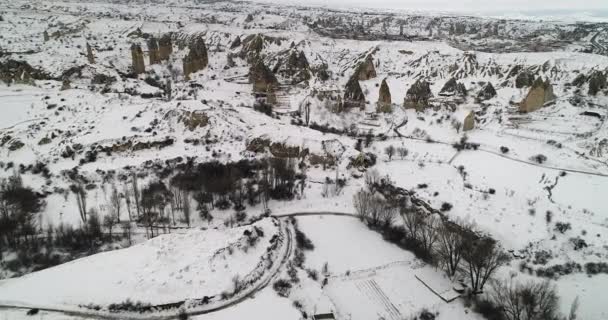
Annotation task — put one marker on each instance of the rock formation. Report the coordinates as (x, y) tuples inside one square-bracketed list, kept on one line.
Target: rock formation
[(153, 51), (90, 56), (524, 79), (418, 95), (264, 81), (137, 57), (487, 92), (366, 70), (197, 58), (295, 67), (453, 88), (597, 82), (384, 98), (466, 118), (20, 72), (540, 93), (353, 95), (165, 47), (66, 85), (236, 43), (45, 35)]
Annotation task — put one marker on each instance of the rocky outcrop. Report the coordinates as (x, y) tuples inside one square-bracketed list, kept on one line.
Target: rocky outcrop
[(540, 93), (165, 47), (597, 82), (66, 85), (90, 56), (524, 79), (264, 81), (20, 72), (366, 70), (418, 95), (46, 36), (295, 67), (453, 88), (384, 98), (197, 58), (353, 95), (253, 45), (236, 43), (487, 92), (137, 57), (193, 120), (153, 51)]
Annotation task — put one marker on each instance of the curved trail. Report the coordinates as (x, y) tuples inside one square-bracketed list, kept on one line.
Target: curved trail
[(258, 287)]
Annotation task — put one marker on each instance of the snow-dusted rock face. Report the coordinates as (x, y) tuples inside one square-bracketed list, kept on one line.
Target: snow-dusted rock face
[(384, 98), (137, 57)]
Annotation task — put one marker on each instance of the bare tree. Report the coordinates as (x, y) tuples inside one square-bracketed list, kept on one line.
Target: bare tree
[(115, 202), (428, 233), (127, 195), (362, 202), (136, 194), (109, 222), (483, 256), (390, 152), (526, 301), (186, 207), (403, 152), (127, 229), (451, 243), (81, 200), (372, 177), (412, 220)]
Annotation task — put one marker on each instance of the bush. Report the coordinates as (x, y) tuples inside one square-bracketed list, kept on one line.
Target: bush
[(504, 149), (303, 242), (282, 287), (562, 227), (446, 206), (539, 158)]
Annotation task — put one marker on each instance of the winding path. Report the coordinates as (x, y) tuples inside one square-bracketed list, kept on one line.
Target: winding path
[(84, 314)]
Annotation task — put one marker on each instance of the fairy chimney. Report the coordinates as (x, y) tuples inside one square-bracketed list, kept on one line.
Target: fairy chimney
[(366, 69), (540, 93), (153, 51), (90, 56), (45, 35), (264, 81), (384, 98), (137, 55), (353, 95), (165, 47), (418, 95), (197, 58)]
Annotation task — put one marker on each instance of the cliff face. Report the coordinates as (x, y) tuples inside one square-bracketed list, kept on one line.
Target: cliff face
[(137, 57), (487, 92), (153, 51), (540, 93), (197, 58), (453, 88)]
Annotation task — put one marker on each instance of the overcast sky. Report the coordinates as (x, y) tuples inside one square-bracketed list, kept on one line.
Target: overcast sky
[(546, 7)]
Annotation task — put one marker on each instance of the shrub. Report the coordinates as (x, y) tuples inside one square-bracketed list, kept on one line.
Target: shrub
[(562, 227), (539, 158), (282, 287), (446, 206), (303, 242), (504, 149), (578, 243)]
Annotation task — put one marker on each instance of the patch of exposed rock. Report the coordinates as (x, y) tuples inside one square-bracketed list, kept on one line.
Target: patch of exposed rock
[(137, 58), (487, 92), (384, 98), (418, 95), (295, 67), (153, 51), (366, 69), (165, 47), (524, 79), (197, 58), (193, 120), (90, 56), (597, 82), (13, 71), (540, 93), (264, 81), (453, 88), (353, 94)]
